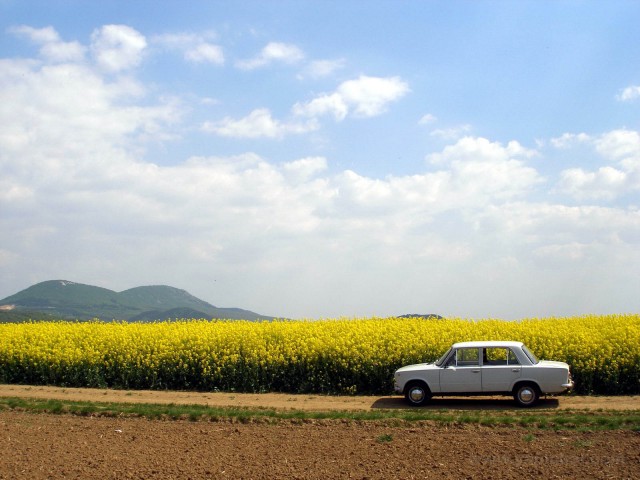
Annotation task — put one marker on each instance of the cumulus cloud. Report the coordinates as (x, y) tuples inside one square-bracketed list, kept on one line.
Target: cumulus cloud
[(370, 96), (333, 104), (48, 123), (629, 94), (205, 53), (106, 214), (273, 52), (196, 48), (451, 133), (258, 224), (427, 119), (567, 140), (362, 97), (258, 124), (305, 168), (478, 149), (321, 68), (618, 147), (117, 47), (483, 171), (52, 48), (82, 202), (605, 183)]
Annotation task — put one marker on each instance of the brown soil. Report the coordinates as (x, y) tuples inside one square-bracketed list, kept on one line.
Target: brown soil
[(55, 447), (41, 446)]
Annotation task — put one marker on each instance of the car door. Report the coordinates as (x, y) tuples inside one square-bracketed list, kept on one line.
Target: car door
[(500, 369), (462, 373)]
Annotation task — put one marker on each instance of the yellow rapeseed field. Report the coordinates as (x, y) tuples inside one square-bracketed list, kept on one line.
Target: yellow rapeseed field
[(324, 356)]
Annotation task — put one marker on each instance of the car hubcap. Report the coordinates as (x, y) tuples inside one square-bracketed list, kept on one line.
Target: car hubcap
[(526, 395), (416, 395)]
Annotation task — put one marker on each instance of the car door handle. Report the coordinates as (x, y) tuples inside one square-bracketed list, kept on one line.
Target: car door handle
[(475, 371), (516, 370)]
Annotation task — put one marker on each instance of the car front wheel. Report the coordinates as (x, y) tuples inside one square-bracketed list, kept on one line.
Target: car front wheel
[(417, 394), (526, 394)]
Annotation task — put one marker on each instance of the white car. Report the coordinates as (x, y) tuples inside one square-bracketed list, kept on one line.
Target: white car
[(484, 368)]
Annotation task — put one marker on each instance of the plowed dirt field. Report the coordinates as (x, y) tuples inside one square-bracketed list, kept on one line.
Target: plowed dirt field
[(44, 446)]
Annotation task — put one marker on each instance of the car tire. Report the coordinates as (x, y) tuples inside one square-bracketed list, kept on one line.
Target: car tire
[(417, 394), (526, 394)]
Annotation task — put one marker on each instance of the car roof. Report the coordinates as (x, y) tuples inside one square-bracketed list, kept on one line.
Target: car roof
[(487, 343)]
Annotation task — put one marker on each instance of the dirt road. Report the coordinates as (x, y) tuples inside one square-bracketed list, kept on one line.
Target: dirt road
[(303, 402)]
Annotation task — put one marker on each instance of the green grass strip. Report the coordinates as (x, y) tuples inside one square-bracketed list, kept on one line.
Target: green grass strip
[(536, 419)]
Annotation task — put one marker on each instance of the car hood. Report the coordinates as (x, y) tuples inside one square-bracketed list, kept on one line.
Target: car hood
[(417, 366)]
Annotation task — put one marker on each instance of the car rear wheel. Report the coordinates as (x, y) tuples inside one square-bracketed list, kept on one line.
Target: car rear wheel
[(526, 394), (417, 394)]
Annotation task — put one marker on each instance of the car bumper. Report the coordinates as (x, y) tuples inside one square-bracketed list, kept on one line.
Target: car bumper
[(568, 386)]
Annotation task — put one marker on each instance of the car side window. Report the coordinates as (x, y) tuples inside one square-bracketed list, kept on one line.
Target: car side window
[(467, 357), (499, 356), (494, 356), (512, 359)]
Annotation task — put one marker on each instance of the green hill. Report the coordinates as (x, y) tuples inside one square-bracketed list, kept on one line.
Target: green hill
[(69, 300), (161, 297)]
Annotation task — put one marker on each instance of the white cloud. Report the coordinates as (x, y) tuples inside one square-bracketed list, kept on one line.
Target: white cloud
[(273, 52), (555, 224), (52, 49), (333, 104), (452, 133), (47, 122), (321, 68), (482, 172), (370, 95), (205, 53), (567, 140), (196, 48), (102, 214), (362, 97), (629, 94), (605, 183), (305, 168), (257, 225), (178, 41), (209, 101), (258, 124), (117, 47), (37, 35), (478, 149), (427, 119), (620, 147), (298, 237)]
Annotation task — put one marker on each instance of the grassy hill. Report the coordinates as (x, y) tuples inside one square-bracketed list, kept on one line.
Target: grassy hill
[(62, 299)]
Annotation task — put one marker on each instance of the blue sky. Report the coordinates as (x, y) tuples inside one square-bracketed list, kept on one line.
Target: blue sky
[(313, 159)]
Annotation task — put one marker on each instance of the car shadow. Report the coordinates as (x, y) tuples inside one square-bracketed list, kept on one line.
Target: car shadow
[(464, 403)]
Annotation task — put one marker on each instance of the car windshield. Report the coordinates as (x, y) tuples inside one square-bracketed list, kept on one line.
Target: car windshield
[(531, 356), (442, 358)]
